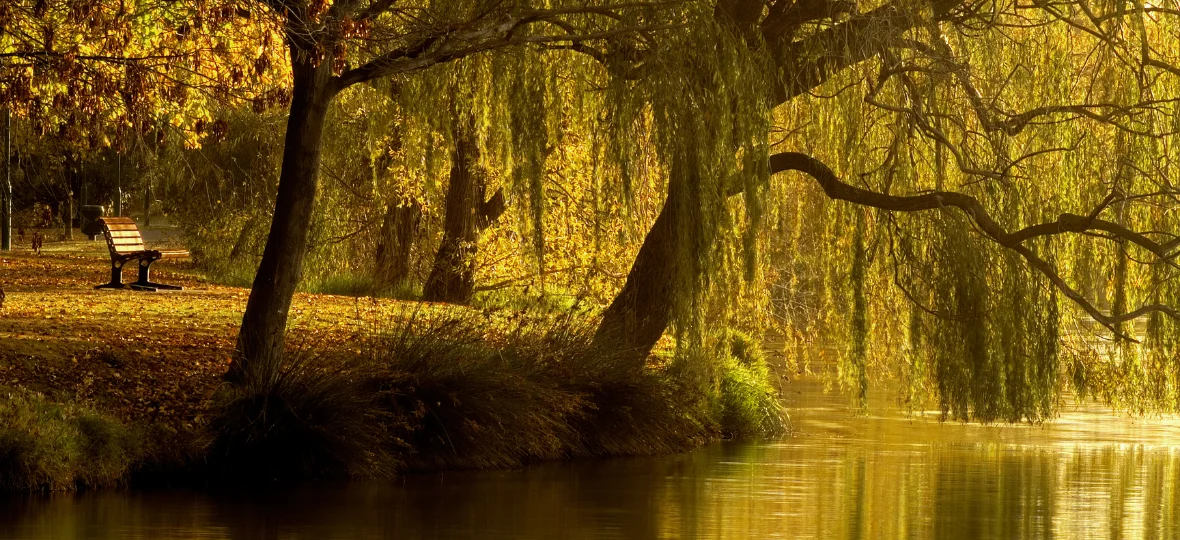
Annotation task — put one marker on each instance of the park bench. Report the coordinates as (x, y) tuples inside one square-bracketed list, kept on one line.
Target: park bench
[(126, 245)]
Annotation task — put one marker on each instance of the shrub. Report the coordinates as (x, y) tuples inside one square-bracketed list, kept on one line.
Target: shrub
[(750, 405)]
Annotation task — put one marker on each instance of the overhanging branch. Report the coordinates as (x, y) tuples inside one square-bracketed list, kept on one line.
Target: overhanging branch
[(836, 189)]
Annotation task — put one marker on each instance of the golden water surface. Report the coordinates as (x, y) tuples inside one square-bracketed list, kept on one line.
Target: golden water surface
[(1089, 474)]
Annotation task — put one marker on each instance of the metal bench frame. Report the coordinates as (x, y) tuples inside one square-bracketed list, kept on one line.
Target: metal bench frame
[(126, 245)]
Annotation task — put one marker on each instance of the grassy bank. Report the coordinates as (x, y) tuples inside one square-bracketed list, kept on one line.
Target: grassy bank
[(108, 388)]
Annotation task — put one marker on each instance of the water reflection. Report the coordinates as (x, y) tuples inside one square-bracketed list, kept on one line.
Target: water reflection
[(1090, 475)]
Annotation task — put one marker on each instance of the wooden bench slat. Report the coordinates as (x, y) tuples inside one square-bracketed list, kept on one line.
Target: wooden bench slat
[(123, 227), (125, 234), (125, 241)]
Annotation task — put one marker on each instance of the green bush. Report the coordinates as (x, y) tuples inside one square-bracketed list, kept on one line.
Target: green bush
[(749, 403), (53, 446)]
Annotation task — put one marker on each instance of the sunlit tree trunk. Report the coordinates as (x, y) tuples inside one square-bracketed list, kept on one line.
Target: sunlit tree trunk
[(260, 342), (452, 278)]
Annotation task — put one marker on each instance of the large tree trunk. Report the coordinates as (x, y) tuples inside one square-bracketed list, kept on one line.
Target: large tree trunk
[(398, 231), (260, 342), (452, 278), (642, 310)]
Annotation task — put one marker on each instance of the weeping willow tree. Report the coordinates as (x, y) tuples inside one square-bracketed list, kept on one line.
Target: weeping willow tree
[(1008, 165)]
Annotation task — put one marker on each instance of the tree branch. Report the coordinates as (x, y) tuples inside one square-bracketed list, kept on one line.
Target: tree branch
[(836, 189), (808, 63), (457, 41)]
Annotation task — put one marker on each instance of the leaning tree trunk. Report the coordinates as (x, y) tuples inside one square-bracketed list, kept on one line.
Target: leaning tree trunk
[(452, 278), (642, 310), (260, 341), (398, 231)]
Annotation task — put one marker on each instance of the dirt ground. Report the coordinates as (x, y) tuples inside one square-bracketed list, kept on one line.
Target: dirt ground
[(140, 356)]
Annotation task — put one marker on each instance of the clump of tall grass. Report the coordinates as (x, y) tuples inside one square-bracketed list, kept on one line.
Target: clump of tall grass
[(459, 388), (470, 403), (749, 403), (317, 417), (486, 393), (53, 446)]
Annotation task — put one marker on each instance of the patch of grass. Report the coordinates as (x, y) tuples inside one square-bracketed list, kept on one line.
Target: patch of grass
[(750, 406), (52, 446), (344, 285), (470, 404), (224, 273), (359, 285), (514, 299), (454, 388)]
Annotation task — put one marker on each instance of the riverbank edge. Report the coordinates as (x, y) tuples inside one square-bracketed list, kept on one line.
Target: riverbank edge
[(448, 404)]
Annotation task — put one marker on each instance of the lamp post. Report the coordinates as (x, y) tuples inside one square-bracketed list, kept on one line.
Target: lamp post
[(6, 209)]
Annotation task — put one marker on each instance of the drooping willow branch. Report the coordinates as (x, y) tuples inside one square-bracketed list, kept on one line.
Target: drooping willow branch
[(1066, 223)]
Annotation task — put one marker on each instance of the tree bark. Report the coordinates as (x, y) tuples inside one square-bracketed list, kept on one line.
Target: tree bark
[(642, 310), (398, 231), (452, 278), (260, 342)]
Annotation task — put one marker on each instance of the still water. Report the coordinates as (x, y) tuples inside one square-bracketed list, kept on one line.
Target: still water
[(1090, 474)]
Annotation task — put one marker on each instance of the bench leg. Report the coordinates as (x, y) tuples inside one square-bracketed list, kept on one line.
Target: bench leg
[(144, 283), (116, 277)]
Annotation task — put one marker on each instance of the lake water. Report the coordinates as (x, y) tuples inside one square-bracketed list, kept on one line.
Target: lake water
[(1090, 474)]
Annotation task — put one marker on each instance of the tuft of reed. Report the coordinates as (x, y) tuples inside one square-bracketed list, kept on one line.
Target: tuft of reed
[(459, 388), (485, 393)]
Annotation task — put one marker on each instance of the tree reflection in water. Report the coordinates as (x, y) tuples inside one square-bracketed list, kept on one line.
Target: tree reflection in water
[(1089, 474)]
